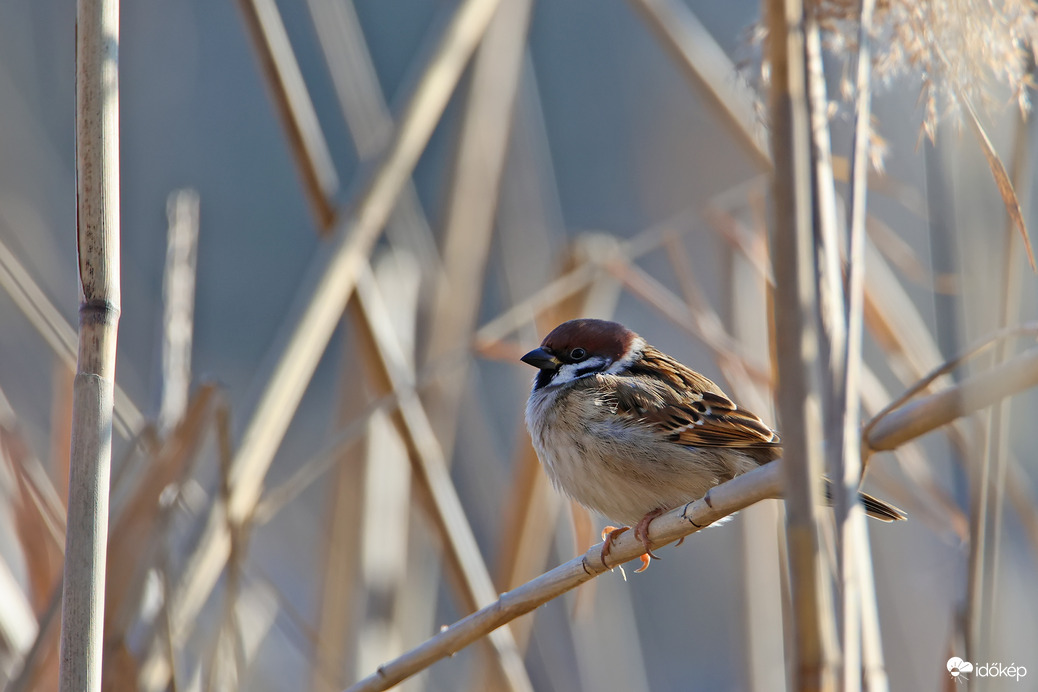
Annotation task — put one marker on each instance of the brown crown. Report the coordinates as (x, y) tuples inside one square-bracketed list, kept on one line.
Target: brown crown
[(597, 337)]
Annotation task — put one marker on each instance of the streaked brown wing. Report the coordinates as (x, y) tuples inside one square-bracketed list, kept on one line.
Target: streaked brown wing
[(702, 419), (715, 421)]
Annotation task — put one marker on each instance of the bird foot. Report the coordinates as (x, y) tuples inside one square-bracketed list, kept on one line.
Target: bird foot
[(641, 531), (609, 534)]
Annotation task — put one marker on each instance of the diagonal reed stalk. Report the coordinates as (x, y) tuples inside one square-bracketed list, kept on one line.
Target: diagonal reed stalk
[(18, 624), (988, 480), (48, 321), (501, 53), (367, 116), (534, 507), (324, 294), (431, 470), (710, 71), (525, 312), (725, 499), (901, 332), (132, 551), (38, 512), (302, 129)]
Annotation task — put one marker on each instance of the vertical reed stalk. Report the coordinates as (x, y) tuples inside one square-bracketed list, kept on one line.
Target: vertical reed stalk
[(178, 294), (857, 603), (97, 192), (746, 316), (797, 345), (982, 596)]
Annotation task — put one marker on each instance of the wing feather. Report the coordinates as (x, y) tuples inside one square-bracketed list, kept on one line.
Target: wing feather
[(683, 405)]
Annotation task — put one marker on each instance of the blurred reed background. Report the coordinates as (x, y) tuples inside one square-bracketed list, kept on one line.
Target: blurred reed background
[(342, 224)]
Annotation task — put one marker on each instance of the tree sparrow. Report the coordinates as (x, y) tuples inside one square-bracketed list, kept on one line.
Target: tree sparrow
[(629, 432)]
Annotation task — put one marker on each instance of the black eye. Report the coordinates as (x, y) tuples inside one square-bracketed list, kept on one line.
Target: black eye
[(578, 354)]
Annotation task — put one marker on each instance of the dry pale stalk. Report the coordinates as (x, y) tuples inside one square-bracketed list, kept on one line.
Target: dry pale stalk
[(857, 604), (996, 457), (746, 318), (178, 294), (576, 279), (97, 176), (340, 576), (919, 417), (798, 345)]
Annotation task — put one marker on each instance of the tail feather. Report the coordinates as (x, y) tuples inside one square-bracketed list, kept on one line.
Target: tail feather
[(874, 507), (878, 509)]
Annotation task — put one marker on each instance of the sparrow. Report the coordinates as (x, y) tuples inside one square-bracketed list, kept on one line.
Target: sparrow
[(631, 433)]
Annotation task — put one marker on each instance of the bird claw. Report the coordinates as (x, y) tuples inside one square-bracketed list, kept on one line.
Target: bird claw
[(609, 534), (641, 532)]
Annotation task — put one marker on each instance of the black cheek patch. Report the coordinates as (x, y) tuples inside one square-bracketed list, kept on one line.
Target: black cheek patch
[(591, 367)]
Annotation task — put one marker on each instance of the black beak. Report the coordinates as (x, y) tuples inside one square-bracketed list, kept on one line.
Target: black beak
[(539, 358)]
